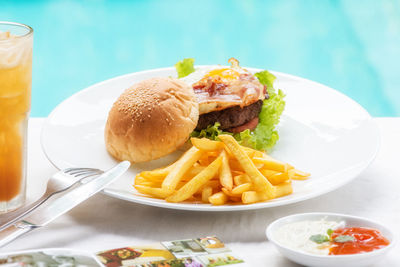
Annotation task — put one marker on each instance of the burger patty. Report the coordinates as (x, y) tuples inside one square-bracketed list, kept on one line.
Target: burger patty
[(230, 117)]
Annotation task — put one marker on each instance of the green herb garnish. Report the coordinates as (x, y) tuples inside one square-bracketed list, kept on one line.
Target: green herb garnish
[(329, 232), (344, 239), (319, 239)]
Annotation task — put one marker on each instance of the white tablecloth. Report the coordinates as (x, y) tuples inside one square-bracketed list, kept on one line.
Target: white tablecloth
[(103, 222)]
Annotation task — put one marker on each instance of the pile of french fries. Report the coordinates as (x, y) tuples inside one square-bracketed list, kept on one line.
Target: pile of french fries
[(220, 172)]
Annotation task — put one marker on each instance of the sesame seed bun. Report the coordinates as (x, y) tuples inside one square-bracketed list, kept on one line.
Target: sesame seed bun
[(151, 119)]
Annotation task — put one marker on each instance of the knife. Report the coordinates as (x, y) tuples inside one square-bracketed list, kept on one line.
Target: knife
[(58, 206)]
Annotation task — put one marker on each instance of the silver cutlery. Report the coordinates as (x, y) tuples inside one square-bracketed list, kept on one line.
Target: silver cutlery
[(60, 203), (59, 182)]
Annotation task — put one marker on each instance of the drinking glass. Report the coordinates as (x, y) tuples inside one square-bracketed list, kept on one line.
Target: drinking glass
[(16, 42)]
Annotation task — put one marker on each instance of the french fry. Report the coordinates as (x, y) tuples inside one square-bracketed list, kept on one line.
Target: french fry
[(235, 199), (252, 152), (192, 172), (291, 173), (259, 154), (214, 184), (139, 179), (278, 178), (151, 184), (203, 160), (238, 190), (155, 192), (272, 164), (229, 193), (301, 173), (267, 173), (298, 175), (234, 164), (206, 144), (158, 173), (225, 175), (249, 152), (206, 193), (241, 179), (284, 189), (155, 180), (194, 184), (182, 165), (214, 154), (250, 197), (299, 178), (180, 184), (218, 198), (234, 173), (261, 183), (259, 165), (154, 176)]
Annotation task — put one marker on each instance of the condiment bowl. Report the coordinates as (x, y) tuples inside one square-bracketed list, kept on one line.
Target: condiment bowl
[(308, 259)]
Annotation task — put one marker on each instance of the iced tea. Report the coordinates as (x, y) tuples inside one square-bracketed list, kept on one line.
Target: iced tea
[(15, 94)]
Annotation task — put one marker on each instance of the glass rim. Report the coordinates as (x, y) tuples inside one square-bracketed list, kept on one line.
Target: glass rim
[(29, 28)]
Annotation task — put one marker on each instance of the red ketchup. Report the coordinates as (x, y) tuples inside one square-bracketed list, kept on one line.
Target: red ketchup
[(365, 240)]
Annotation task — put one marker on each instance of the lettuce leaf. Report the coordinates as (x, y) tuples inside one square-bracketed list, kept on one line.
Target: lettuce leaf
[(211, 132), (185, 67), (266, 78), (265, 135)]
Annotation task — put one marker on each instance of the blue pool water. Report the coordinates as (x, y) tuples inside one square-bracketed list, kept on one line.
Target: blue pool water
[(352, 46)]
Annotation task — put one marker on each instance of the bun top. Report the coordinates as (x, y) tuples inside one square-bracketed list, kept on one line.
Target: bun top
[(151, 119)]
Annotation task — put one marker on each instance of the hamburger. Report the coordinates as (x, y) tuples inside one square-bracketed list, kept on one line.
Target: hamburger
[(236, 101), (155, 117)]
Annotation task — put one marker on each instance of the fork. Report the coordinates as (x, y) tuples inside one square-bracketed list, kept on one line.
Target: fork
[(59, 182)]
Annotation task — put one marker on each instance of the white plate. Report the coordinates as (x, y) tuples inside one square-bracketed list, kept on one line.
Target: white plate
[(321, 131)]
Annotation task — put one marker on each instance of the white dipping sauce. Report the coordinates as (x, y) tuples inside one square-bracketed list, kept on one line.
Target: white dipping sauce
[(297, 235)]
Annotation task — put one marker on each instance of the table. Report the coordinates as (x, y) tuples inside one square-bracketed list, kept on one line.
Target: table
[(103, 222)]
